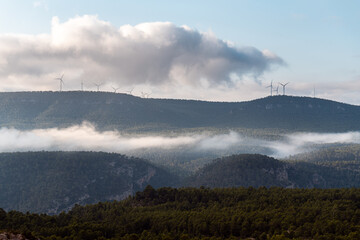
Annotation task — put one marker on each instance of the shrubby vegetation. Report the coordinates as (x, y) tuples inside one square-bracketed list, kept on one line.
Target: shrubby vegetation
[(190, 213)]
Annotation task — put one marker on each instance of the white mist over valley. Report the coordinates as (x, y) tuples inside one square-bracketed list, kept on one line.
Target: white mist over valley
[(85, 137)]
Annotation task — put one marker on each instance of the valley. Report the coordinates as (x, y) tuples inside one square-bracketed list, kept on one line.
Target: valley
[(62, 151), (53, 182), (179, 120)]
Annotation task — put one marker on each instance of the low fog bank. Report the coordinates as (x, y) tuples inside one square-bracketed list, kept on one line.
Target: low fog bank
[(85, 138)]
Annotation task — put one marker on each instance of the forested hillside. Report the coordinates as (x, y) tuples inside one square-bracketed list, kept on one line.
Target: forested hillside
[(346, 156), (28, 110), (343, 152), (258, 170), (189, 213), (52, 182)]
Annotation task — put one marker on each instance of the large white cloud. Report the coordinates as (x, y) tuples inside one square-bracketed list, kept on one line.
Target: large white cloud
[(157, 53)]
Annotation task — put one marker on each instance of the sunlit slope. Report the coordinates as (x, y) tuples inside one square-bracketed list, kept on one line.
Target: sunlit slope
[(52, 182), (29, 110)]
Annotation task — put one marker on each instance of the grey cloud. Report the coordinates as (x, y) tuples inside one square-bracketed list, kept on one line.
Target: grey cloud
[(149, 53)]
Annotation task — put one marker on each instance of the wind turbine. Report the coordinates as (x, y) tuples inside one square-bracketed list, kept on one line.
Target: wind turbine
[(284, 85), (61, 82), (271, 88), (82, 85), (130, 91), (143, 94), (115, 89), (277, 90), (98, 86)]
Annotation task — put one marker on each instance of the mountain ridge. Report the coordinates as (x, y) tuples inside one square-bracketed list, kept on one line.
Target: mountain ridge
[(108, 111), (177, 99)]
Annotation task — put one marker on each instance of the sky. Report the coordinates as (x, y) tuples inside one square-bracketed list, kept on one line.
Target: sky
[(206, 50)]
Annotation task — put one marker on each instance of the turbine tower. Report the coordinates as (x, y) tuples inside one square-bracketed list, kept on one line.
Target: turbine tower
[(61, 82), (314, 91), (82, 85), (284, 85), (98, 86), (271, 88)]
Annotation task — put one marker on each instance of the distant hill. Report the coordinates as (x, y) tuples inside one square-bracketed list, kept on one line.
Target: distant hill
[(258, 170), (28, 110), (51, 182), (343, 152), (345, 156)]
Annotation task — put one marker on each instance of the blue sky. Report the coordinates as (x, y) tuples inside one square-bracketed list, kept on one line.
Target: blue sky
[(318, 40)]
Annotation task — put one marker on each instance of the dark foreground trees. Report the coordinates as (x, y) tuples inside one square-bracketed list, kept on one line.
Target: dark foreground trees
[(189, 213)]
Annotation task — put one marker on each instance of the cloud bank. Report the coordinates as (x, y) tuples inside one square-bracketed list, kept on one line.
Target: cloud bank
[(303, 142), (85, 138), (157, 53)]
